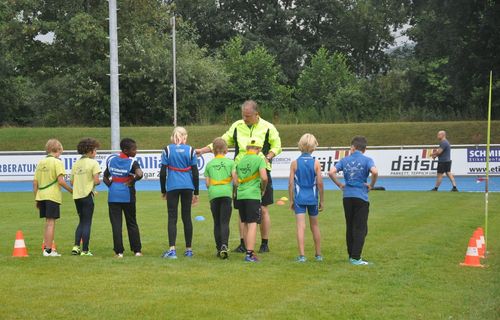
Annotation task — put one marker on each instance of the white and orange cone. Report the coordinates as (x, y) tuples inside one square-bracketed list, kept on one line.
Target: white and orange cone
[(472, 256), (19, 246)]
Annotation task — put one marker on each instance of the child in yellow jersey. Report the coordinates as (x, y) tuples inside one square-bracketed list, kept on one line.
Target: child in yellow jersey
[(218, 178), (49, 177), (84, 177), (251, 181)]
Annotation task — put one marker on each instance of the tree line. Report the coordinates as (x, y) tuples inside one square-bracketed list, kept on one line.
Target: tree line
[(304, 61)]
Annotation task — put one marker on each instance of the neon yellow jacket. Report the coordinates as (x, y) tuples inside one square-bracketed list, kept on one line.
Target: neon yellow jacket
[(239, 135)]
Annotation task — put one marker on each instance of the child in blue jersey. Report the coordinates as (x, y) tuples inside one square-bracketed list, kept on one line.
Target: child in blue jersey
[(179, 169), (356, 167), (122, 171), (305, 184)]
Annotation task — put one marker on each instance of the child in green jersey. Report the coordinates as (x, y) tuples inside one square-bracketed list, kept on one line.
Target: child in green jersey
[(251, 181), (218, 175)]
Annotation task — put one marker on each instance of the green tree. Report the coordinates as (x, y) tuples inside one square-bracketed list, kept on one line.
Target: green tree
[(253, 75)]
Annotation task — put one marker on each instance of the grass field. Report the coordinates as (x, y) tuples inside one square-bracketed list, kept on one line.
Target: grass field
[(416, 241), (378, 134)]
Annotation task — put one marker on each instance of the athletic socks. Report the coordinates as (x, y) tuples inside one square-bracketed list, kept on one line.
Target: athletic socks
[(48, 250), (242, 242), (265, 241), (249, 253)]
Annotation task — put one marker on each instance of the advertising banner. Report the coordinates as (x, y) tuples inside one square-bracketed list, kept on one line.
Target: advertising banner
[(403, 162)]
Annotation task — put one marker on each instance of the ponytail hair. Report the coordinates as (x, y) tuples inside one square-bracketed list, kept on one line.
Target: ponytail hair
[(179, 135)]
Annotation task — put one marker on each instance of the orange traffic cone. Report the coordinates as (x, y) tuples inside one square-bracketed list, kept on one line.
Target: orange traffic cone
[(471, 256), (53, 245), (19, 246)]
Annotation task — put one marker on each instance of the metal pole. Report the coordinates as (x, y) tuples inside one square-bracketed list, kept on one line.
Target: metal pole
[(486, 187), (113, 70), (174, 61)]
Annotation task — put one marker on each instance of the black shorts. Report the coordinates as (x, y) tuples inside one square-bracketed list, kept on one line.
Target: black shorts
[(250, 210), (49, 209), (268, 197), (444, 167)]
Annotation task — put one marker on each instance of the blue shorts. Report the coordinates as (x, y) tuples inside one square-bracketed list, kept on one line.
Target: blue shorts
[(312, 209)]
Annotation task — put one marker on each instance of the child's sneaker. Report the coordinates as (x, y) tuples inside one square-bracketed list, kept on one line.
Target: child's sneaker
[(318, 258), (301, 259), (223, 254), (119, 255), (188, 253), (76, 251), (138, 254), (53, 253), (263, 248), (358, 262), (86, 254), (240, 249), (454, 189), (170, 254), (251, 258)]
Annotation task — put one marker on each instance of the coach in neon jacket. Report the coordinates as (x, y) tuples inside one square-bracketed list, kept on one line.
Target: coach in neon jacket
[(252, 126)]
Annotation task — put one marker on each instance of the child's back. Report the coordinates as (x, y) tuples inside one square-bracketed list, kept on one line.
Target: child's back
[(179, 159), (120, 167), (306, 192), (249, 177), (219, 171), (47, 172)]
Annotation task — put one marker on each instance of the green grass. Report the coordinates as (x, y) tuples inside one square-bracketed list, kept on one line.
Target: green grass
[(397, 133), (416, 242)]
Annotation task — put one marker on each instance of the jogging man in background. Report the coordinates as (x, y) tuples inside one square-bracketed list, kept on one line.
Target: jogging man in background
[(443, 153), (252, 126)]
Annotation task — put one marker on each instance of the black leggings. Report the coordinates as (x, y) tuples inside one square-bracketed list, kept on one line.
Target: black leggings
[(186, 196), (85, 210), (221, 212), (115, 216), (356, 218)]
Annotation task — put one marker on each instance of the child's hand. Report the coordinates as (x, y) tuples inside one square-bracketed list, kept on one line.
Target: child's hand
[(292, 205), (341, 186), (37, 204), (195, 200), (164, 196), (321, 206)]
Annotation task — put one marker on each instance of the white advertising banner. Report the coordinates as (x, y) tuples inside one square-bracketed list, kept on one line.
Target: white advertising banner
[(402, 162)]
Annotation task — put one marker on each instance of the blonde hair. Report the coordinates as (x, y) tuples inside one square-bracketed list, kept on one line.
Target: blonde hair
[(307, 143), (220, 146), (53, 146), (179, 135)]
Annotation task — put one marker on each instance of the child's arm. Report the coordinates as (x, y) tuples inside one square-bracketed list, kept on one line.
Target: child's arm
[(333, 175), (207, 182), (319, 183), (163, 180), (374, 172), (293, 168), (105, 178), (196, 182), (62, 183), (263, 180), (96, 179)]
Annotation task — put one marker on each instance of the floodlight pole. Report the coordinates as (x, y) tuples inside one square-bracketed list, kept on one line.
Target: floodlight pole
[(174, 61), (113, 73)]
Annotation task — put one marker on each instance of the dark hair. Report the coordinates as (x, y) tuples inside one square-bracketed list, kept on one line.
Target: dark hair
[(87, 145), (359, 143), (127, 144)]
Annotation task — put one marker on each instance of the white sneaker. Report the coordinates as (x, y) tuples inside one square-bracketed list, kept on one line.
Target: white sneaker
[(53, 253), (119, 255), (138, 254)]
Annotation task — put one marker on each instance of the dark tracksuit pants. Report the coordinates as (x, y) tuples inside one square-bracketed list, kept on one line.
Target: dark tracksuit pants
[(115, 216), (85, 210), (356, 218), (221, 212), (186, 196)]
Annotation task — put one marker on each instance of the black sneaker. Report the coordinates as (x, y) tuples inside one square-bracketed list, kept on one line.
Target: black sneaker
[(223, 252), (454, 189), (264, 248), (240, 249), (434, 189)]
